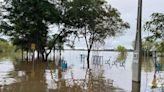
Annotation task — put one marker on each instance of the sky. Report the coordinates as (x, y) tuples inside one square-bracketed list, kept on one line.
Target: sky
[(128, 10)]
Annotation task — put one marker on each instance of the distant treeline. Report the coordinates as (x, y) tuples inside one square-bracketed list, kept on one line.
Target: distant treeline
[(5, 46), (129, 50)]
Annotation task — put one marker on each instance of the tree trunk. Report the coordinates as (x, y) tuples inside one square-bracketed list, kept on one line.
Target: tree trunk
[(60, 54), (88, 56), (54, 55), (27, 56), (46, 58), (22, 54), (33, 55), (38, 57), (43, 56), (59, 64)]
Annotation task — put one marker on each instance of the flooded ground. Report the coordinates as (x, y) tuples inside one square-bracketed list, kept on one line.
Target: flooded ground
[(109, 73)]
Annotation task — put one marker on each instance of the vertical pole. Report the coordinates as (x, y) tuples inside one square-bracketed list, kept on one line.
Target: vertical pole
[(136, 74), (136, 65)]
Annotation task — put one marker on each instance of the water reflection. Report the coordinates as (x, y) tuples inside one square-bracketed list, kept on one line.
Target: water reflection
[(39, 77), (111, 76), (5, 68), (150, 77)]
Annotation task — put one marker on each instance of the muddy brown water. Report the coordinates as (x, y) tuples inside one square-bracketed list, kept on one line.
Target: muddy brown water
[(105, 76)]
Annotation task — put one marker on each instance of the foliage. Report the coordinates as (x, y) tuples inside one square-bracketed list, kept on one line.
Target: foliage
[(121, 49), (160, 46), (5, 46), (147, 45), (94, 20), (28, 21), (156, 26), (122, 53), (121, 57)]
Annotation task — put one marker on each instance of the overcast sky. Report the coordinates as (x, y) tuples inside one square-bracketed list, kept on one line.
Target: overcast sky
[(128, 9)]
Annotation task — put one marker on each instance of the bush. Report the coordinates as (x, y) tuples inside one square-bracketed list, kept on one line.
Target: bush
[(121, 49), (6, 46)]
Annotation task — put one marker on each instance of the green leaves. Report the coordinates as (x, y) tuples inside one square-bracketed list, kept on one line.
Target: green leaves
[(122, 53), (156, 26), (121, 49), (29, 19), (28, 22), (5, 46)]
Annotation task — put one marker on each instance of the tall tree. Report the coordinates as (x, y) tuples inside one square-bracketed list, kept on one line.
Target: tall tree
[(94, 20), (28, 21)]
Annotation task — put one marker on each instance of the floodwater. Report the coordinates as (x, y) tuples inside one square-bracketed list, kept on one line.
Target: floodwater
[(109, 72)]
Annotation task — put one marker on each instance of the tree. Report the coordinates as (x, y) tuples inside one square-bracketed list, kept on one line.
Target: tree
[(5, 46), (156, 26), (1, 9), (55, 42), (121, 49), (28, 21), (95, 20), (122, 53)]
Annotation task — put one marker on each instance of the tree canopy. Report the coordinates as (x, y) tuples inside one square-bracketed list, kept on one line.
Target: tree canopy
[(95, 21), (156, 27), (28, 21)]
